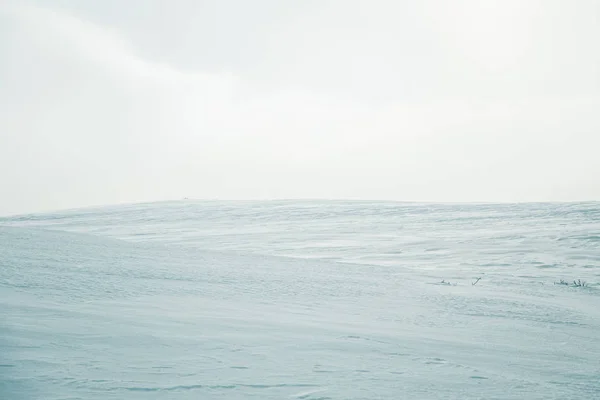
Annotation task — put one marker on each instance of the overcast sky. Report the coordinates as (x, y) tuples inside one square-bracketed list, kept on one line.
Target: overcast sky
[(122, 101)]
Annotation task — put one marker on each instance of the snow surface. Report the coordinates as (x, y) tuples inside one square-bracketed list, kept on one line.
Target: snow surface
[(301, 300)]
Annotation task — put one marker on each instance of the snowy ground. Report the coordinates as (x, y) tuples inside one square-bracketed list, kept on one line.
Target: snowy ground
[(283, 300)]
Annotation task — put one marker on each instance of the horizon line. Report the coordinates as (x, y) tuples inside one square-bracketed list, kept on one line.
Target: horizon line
[(301, 199)]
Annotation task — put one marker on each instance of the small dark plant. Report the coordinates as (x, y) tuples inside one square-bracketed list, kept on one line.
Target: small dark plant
[(579, 283), (576, 283), (448, 283)]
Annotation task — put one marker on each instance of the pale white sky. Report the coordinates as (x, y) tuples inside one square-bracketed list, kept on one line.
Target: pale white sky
[(464, 100)]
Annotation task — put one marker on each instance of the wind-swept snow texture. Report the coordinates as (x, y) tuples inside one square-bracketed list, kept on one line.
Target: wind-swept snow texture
[(301, 300)]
